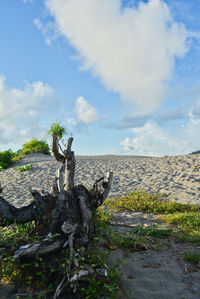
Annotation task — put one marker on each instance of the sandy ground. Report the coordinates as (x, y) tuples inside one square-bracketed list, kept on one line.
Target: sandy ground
[(179, 176), (158, 272), (149, 274)]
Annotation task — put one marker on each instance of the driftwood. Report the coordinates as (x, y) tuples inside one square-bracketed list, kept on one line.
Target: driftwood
[(67, 212)]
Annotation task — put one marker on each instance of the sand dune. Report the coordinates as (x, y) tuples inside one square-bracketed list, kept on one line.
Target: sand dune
[(149, 274), (178, 176)]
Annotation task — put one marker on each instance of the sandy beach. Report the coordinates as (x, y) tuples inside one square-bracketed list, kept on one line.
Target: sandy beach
[(178, 176), (150, 274)]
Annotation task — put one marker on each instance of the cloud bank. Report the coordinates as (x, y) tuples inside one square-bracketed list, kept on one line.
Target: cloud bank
[(85, 112), (154, 140), (132, 50), (21, 110)]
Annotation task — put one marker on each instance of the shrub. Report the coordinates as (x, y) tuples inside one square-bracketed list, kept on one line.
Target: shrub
[(6, 159), (34, 146), (196, 152)]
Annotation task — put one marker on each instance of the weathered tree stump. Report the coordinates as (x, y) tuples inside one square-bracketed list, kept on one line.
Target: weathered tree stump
[(67, 211)]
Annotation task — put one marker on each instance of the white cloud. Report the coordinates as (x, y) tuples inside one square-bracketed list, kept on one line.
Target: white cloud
[(21, 110), (132, 50), (49, 30), (153, 140), (85, 112), (26, 1), (149, 140)]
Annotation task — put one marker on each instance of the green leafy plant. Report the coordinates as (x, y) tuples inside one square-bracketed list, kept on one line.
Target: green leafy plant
[(146, 202), (58, 129), (6, 159), (34, 146), (44, 274), (41, 276), (24, 168)]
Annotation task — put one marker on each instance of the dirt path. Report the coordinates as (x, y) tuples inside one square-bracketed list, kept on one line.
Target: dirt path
[(158, 272)]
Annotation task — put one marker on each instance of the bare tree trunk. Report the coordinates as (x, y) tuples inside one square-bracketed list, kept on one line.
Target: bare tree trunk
[(66, 173), (70, 163), (65, 204), (67, 211)]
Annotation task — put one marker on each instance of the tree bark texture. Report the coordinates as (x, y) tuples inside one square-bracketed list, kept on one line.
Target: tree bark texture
[(67, 210), (64, 217)]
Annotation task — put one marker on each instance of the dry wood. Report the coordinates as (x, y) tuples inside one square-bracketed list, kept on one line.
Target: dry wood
[(66, 211)]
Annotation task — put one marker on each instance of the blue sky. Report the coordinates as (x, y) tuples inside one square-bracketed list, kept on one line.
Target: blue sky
[(122, 76)]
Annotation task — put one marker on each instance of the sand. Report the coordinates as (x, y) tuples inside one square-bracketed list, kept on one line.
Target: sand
[(179, 176), (145, 274)]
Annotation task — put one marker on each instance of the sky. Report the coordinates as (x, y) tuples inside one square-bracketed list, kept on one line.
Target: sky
[(123, 77)]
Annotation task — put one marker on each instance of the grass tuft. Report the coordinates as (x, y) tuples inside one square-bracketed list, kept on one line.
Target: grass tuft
[(58, 129), (44, 274), (192, 256)]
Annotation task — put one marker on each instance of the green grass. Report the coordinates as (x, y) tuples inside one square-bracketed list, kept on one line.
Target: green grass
[(154, 231), (186, 220), (8, 158), (44, 274), (192, 256), (149, 203), (184, 217), (188, 223), (16, 233)]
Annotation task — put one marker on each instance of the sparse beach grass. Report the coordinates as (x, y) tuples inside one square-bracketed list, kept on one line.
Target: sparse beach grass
[(39, 276), (185, 218), (150, 203), (192, 256)]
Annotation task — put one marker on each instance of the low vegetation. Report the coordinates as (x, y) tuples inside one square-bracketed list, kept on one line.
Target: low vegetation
[(192, 256), (149, 203), (40, 277), (34, 146), (196, 152), (58, 129), (24, 168), (185, 218), (8, 158)]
